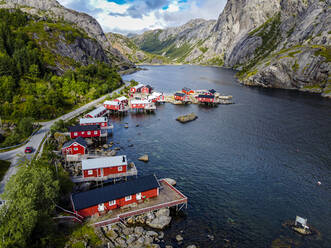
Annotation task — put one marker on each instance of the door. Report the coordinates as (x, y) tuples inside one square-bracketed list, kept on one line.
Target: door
[(101, 207), (138, 196)]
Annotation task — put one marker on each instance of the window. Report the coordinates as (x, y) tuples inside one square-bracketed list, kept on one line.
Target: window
[(119, 168), (76, 149), (101, 207), (128, 198), (88, 132), (83, 132), (75, 133), (95, 132), (90, 172), (112, 203)]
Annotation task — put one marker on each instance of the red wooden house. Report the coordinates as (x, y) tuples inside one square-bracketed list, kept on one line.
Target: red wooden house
[(88, 131), (98, 112), (123, 100), (104, 166), (136, 88), (181, 97), (101, 200), (146, 89), (141, 104), (101, 121), (112, 105), (206, 98), (76, 146), (187, 91)]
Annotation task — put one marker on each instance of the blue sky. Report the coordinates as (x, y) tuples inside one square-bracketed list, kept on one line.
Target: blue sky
[(136, 16)]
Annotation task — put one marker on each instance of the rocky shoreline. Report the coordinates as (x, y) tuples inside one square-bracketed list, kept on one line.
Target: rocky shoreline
[(141, 231)]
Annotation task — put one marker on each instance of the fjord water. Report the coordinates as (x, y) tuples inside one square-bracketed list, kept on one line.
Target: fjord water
[(246, 168)]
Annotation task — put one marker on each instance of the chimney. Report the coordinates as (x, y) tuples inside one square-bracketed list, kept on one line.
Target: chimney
[(123, 159)]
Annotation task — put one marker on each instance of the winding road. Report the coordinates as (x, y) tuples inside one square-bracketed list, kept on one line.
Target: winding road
[(17, 156)]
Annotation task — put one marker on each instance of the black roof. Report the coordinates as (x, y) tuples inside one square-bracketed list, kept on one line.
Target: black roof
[(206, 96), (149, 87), (179, 94), (212, 91), (186, 89), (79, 128), (113, 192), (79, 140)]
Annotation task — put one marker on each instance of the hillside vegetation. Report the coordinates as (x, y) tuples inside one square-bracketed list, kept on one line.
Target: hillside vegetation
[(30, 85)]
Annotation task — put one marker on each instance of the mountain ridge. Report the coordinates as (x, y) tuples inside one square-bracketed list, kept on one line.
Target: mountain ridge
[(279, 44)]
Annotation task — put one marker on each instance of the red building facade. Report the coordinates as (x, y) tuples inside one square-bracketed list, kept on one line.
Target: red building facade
[(76, 146), (101, 200), (88, 131)]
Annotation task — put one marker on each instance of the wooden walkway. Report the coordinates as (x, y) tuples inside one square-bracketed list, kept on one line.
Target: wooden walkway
[(169, 196)]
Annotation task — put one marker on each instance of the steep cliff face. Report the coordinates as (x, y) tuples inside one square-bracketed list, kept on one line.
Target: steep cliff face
[(292, 49), (279, 43), (55, 11)]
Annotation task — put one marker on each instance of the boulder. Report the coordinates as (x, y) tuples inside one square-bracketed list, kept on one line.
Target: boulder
[(105, 146), (159, 222), (152, 234), (163, 212), (139, 230), (191, 246), (187, 118), (127, 231), (148, 240), (121, 242), (170, 181), (179, 238), (117, 148), (130, 240), (161, 235), (168, 246), (144, 158)]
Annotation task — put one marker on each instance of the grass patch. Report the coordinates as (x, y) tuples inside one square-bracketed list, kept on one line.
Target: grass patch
[(324, 51), (4, 166)]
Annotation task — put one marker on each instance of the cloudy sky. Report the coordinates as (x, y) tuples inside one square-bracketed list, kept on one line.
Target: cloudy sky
[(135, 16)]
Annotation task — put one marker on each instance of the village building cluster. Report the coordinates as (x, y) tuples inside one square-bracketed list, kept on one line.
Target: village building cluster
[(118, 192)]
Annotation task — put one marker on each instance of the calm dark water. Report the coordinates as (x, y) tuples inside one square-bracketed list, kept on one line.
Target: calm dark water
[(246, 168)]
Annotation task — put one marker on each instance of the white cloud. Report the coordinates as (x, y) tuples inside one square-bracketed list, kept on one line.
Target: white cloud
[(141, 15)]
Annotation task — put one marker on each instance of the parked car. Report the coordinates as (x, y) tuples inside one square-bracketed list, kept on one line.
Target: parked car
[(28, 149)]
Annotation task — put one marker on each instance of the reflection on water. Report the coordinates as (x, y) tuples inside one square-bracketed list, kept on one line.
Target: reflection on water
[(246, 168)]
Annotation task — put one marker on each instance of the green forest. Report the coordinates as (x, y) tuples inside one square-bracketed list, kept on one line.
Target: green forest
[(29, 88)]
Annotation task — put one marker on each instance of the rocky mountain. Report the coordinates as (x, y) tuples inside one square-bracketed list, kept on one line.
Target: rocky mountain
[(179, 44), (131, 51), (51, 9), (279, 43)]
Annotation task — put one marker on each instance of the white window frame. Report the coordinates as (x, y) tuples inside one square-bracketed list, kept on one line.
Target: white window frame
[(112, 203), (83, 132), (95, 132), (75, 133), (128, 198), (138, 196), (75, 148), (89, 132), (101, 207), (90, 172), (119, 168)]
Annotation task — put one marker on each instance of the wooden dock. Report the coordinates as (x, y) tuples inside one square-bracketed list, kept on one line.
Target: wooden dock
[(168, 196)]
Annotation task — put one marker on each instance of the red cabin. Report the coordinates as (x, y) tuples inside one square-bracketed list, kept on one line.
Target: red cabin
[(136, 88), (88, 131), (76, 146), (187, 91), (123, 100), (181, 97), (146, 89), (206, 98), (140, 104), (101, 121), (98, 112), (104, 166), (112, 105), (101, 200)]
